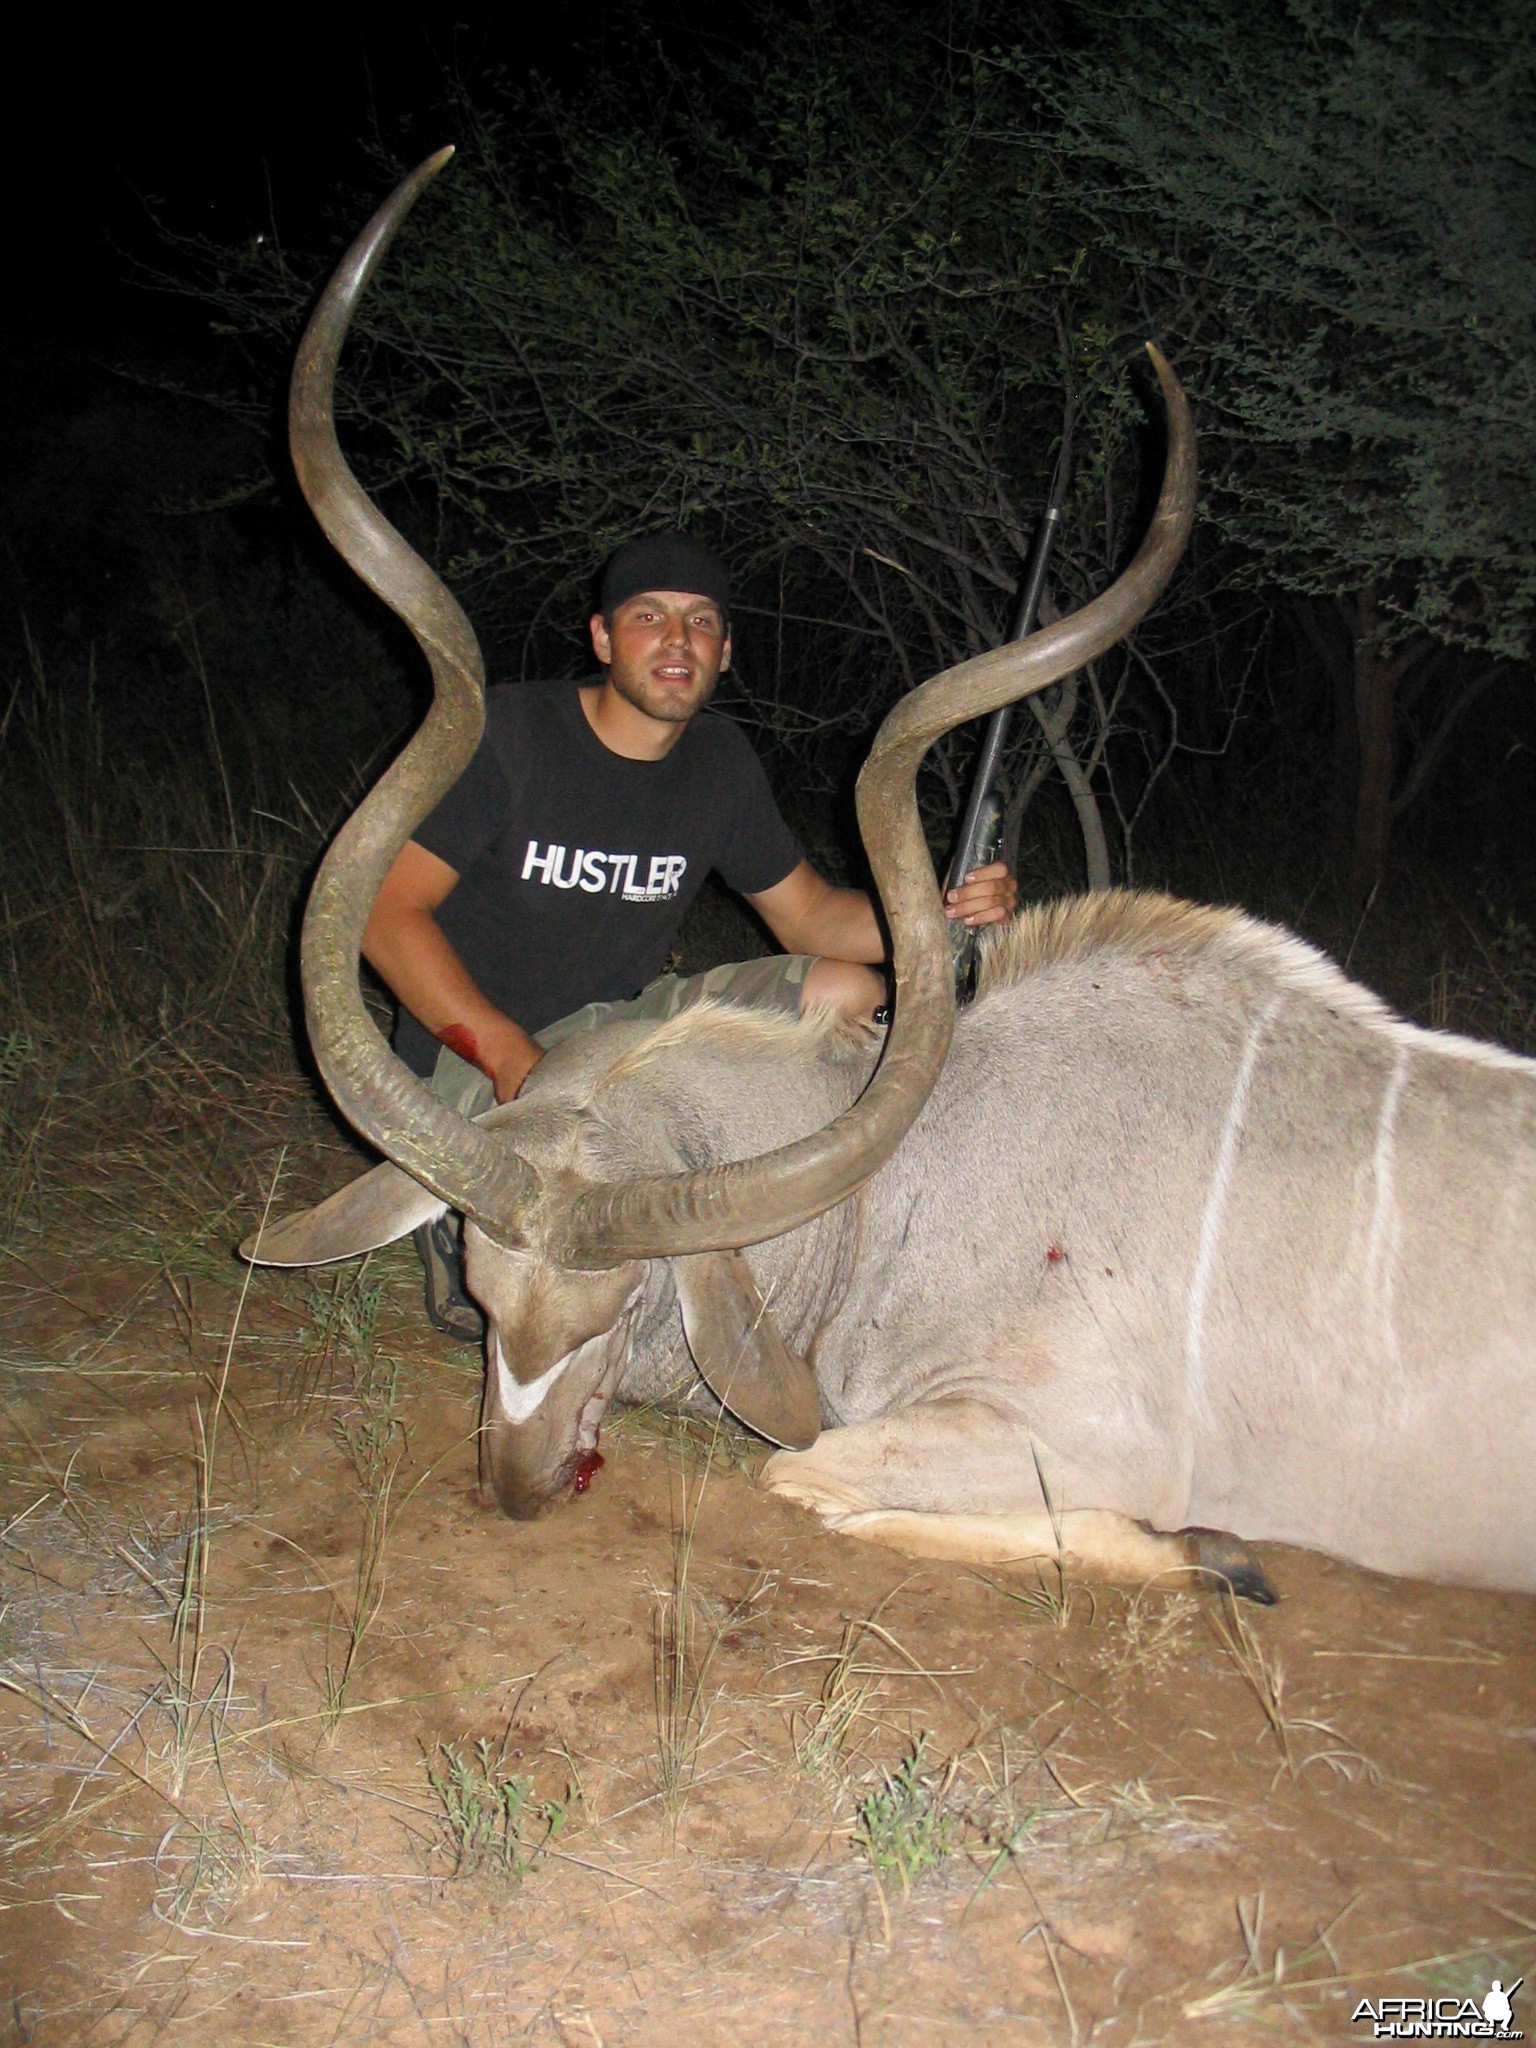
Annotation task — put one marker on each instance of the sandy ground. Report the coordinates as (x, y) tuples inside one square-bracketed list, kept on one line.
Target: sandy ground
[(303, 1745)]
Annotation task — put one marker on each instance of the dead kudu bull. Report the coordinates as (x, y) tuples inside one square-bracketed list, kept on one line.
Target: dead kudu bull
[(1175, 1228)]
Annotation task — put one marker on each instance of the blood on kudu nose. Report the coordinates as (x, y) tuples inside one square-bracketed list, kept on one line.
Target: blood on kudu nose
[(588, 1465)]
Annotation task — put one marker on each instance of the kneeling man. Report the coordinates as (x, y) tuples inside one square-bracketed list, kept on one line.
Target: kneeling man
[(544, 893)]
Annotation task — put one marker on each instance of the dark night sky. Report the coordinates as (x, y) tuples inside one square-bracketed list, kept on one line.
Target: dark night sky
[(245, 120), (222, 132), (239, 124)]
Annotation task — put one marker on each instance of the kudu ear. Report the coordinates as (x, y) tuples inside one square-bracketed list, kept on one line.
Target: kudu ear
[(744, 1361), (371, 1211)]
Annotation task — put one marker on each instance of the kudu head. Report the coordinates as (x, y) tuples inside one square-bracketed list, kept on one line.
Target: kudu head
[(557, 1244)]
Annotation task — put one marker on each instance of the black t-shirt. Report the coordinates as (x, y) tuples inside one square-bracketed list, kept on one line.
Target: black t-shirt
[(576, 865)]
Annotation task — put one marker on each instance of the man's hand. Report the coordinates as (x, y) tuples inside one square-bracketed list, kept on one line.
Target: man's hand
[(502, 1050), (988, 895), (807, 915), (509, 1063)]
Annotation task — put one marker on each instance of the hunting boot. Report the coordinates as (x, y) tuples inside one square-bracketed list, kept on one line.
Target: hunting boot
[(440, 1246)]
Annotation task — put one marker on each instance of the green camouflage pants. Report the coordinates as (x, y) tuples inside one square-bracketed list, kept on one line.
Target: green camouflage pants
[(771, 984)]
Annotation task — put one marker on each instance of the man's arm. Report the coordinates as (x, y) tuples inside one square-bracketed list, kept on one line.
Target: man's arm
[(404, 943), (806, 914)]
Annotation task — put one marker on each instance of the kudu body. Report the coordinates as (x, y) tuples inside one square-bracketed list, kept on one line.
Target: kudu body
[(1185, 1229)]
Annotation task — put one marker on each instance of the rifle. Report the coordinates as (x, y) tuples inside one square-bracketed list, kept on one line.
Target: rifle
[(982, 826)]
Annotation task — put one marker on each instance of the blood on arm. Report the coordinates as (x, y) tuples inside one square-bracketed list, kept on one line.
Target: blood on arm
[(461, 1040)]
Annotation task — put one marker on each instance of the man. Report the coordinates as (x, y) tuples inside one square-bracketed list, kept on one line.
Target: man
[(548, 886)]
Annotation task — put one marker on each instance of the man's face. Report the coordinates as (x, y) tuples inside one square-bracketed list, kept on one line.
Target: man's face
[(664, 652)]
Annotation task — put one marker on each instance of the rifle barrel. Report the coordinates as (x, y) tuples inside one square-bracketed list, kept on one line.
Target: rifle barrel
[(977, 825)]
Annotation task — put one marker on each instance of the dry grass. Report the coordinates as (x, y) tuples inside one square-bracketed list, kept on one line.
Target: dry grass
[(1155, 1629), (1313, 1970), (996, 1798), (829, 1730), (688, 1626), (1304, 1741), (147, 1077)]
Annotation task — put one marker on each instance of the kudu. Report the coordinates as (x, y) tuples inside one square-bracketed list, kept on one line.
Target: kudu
[(1177, 1226)]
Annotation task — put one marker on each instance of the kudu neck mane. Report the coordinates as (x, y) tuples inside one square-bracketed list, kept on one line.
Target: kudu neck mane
[(724, 1029), (1143, 927), (704, 1086)]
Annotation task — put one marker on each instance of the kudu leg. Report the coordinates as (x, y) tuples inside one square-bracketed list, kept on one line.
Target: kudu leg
[(888, 1481)]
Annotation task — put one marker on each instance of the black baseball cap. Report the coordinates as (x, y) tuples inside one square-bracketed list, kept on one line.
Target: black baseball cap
[(663, 561)]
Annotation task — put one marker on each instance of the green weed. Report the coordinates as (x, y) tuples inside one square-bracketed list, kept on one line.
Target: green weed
[(493, 1823), (367, 1434), (904, 1827), (344, 1309), (18, 1051)]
